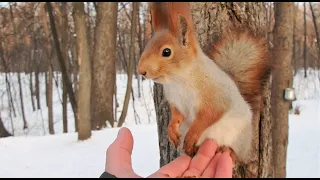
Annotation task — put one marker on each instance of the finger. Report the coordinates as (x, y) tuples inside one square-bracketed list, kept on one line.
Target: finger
[(203, 157), (211, 169), (224, 166), (174, 169), (118, 157)]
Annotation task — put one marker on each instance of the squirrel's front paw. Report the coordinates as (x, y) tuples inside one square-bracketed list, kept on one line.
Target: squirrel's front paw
[(190, 142), (223, 149), (174, 134)]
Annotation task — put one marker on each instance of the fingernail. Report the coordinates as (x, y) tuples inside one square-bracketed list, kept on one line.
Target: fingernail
[(119, 132)]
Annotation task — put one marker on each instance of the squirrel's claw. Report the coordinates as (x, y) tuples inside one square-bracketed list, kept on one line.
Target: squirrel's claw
[(233, 156), (189, 145)]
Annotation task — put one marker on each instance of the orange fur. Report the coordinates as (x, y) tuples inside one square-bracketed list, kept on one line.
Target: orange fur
[(159, 16), (174, 124), (176, 9), (166, 31), (157, 66), (181, 9), (240, 55), (242, 46), (206, 116)]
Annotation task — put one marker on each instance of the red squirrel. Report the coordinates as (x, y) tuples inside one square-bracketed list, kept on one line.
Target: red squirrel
[(211, 94)]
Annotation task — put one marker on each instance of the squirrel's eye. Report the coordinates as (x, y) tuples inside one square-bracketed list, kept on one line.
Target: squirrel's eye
[(166, 52)]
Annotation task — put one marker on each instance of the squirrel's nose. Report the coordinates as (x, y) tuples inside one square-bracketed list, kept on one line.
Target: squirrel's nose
[(142, 71)]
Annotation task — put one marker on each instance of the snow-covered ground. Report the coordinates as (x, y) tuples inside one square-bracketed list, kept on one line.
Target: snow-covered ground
[(34, 153)]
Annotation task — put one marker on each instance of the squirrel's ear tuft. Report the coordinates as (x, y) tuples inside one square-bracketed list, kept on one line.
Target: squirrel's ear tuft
[(159, 16), (180, 22), (183, 31)]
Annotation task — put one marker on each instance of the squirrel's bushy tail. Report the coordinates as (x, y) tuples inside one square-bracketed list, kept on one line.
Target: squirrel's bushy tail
[(245, 58)]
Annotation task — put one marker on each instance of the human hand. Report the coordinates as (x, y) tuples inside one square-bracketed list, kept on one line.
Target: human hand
[(205, 164)]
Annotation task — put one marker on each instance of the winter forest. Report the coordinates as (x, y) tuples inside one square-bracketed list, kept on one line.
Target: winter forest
[(69, 82)]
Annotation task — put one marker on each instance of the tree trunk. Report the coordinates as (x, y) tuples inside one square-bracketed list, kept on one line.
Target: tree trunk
[(49, 80), (305, 40), (37, 88), (25, 124), (62, 64), (3, 131), (84, 121), (211, 19), (64, 49), (104, 69), (282, 78), (294, 40), (75, 65), (140, 34), (64, 106), (130, 66), (316, 30), (50, 110), (116, 104), (46, 84), (90, 34), (31, 91)]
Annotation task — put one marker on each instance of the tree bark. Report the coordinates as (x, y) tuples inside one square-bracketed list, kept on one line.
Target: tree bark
[(316, 30), (49, 86), (84, 121), (37, 88), (103, 78), (294, 39), (46, 86), (282, 78), (140, 34), (211, 19), (305, 40), (25, 124), (50, 108), (62, 64), (31, 91), (64, 49)]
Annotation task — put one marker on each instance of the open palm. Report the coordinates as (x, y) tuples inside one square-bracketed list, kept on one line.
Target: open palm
[(205, 164)]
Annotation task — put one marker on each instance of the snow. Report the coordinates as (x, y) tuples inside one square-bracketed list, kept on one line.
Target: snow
[(303, 158), (59, 156), (35, 153)]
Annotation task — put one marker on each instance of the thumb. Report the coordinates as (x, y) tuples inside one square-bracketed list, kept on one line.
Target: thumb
[(124, 141), (118, 157)]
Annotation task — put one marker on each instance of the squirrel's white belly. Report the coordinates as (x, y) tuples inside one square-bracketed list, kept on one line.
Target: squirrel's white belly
[(186, 101), (232, 130)]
